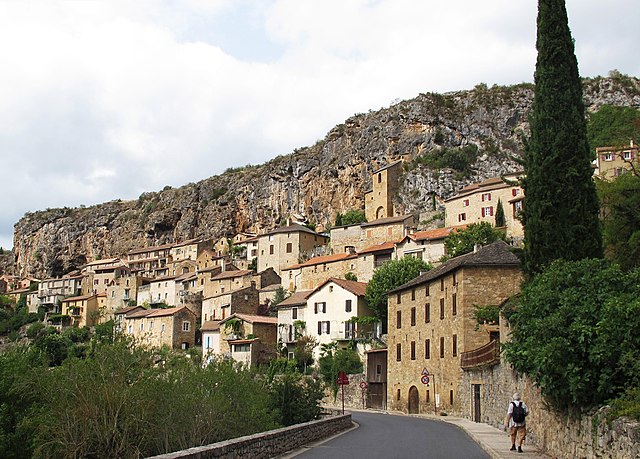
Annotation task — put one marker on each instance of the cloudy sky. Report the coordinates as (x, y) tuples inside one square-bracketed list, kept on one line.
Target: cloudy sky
[(102, 100)]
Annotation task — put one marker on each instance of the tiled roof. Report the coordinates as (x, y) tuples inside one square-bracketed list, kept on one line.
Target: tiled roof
[(495, 254), (387, 166), (251, 318), (295, 228), (323, 259), (125, 310), (78, 298), (232, 274), (210, 325), (297, 298), (439, 233), (493, 183), (383, 246), (386, 221), (357, 288)]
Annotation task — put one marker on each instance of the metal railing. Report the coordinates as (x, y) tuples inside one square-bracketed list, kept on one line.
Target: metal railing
[(487, 355)]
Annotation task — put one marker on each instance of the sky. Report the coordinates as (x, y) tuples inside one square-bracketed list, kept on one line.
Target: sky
[(103, 100)]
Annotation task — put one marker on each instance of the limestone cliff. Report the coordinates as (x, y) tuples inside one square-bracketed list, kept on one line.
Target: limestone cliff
[(317, 182)]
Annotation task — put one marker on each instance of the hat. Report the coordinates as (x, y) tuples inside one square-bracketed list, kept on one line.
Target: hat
[(516, 396)]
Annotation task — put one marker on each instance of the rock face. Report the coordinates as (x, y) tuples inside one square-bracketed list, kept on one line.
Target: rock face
[(317, 182)]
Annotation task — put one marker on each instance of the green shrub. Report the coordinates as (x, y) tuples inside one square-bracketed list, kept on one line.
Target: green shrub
[(34, 329)]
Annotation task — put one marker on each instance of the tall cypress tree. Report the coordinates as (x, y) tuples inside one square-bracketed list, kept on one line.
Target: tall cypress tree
[(561, 205)]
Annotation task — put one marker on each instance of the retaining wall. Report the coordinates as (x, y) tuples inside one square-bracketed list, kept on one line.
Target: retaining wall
[(267, 444)]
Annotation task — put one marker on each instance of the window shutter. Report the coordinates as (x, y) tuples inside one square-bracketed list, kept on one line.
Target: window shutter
[(328, 327), (319, 328), (482, 197), (491, 211), (324, 307), (315, 308), (483, 210)]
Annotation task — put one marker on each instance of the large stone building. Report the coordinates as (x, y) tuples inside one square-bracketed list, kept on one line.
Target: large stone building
[(431, 323), (172, 327), (478, 202), (283, 247)]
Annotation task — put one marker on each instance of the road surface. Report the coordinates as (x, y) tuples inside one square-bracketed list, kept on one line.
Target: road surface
[(391, 436)]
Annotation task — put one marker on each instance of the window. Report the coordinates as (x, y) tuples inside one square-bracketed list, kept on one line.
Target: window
[(294, 313), (451, 397), (413, 350), (413, 294), (487, 211), (380, 181), (398, 319), (246, 347), (426, 290), (462, 217), (324, 327), (427, 313), (186, 326), (398, 352), (454, 302), (130, 329), (151, 325), (347, 305), (289, 247), (442, 347), (427, 398), (398, 395), (142, 327), (607, 157), (427, 348), (162, 327), (349, 330), (413, 316), (465, 203), (454, 345), (398, 298), (627, 155), (441, 308), (271, 249), (486, 197), (442, 284), (515, 192)]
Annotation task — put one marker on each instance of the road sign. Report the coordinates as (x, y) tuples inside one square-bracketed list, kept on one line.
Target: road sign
[(363, 385), (343, 379), (425, 372), (425, 379)]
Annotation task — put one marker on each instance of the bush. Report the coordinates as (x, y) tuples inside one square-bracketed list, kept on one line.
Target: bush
[(296, 398), (459, 159), (463, 241), (333, 361), (34, 329), (575, 332)]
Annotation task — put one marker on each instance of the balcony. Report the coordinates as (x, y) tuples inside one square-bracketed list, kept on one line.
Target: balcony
[(485, 356)]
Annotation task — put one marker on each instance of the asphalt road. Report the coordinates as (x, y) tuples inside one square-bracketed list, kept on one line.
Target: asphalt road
[(390, 436)]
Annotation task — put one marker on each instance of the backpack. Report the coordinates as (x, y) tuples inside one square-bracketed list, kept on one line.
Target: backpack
[(518, 414)]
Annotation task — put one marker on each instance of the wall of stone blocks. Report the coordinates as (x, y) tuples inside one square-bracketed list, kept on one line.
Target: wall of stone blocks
[(267, 444)]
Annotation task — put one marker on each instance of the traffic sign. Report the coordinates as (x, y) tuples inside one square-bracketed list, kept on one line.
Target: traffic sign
[(363, 385), (424, 379), (343, 379), (425, 372)]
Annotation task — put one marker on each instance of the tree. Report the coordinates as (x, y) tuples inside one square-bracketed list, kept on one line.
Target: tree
[(500, 219), (351, 277), (332, 361), (389, 276), (621, 219), (351, 217), (560, 205), (613, 126), (575, 332), (463, 241)]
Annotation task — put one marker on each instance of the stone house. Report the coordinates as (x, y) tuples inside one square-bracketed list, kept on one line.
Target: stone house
[(478, 203), (330, 308), (209, 259), (371, 258), (291, 320), (100, 273), (172, 327), (250, 339), (424, 245), (431, 323), (150, 261), (120, 293), (244, 300), (313, 272), (83, 310), (51, 292), (379, 200), (210, 331), (284, 246), (188, 250), (611, 162), (120, 314), (214, 283), (158, 290), (31, 298)]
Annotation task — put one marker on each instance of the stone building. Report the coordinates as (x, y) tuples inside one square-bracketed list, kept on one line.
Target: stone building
[(379, 200), (83, 310), (153, 261), (431, 323), (242, 300), (101, 273), (478, 203), (51, 292), (424, 245), (121, 292), (611, 162), (172, 327), (313, 272), (250, 339), (283, 247)]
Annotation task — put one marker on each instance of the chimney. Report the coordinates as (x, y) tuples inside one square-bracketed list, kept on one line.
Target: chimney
[(476, 247)]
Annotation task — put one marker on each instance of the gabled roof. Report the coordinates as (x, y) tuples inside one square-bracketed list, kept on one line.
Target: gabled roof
[(160, 312), (497, 253), (295, 228), (382, 247), (435, 234), (252, 319), (297, 298), (322, 260), (387, 221), (493, 183), (186, 277), (210, 325), (102, 262), (163, 279), (127, 309), (232, 274), (79, 298), (357, 288)]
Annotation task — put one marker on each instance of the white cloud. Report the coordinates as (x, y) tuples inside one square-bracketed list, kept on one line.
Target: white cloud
[(105, 99)]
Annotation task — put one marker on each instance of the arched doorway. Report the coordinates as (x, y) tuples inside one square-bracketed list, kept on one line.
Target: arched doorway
[(380, 213), (414, 400)]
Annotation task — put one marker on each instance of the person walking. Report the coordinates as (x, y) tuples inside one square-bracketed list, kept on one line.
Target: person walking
[(516, 421)]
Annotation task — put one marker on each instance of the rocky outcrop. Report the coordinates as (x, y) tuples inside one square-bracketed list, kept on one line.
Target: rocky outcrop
[(317, 181)]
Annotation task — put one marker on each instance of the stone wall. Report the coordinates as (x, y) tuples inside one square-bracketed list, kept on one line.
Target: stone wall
[(576, 435), (352, 394), (267, 444)]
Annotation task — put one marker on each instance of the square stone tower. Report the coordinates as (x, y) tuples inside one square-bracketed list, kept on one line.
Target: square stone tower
[(379, 201)]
